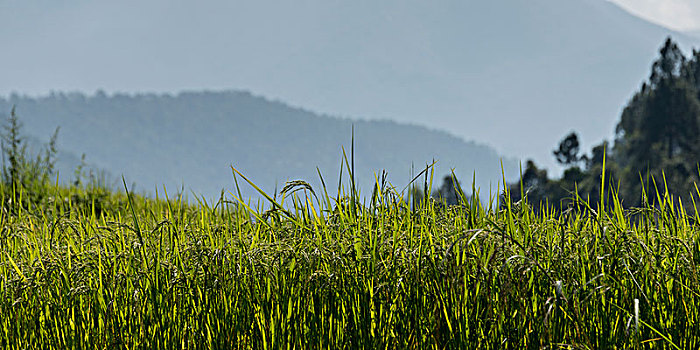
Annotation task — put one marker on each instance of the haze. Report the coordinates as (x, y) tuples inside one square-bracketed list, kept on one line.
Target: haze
[(516, 75)]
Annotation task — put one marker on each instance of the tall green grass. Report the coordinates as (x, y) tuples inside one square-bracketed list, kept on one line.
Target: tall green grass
[(313, 269)]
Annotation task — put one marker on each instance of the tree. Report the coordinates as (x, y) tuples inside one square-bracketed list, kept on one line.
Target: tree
[(533, 185), (691, 71), (668, 65), (20, 169), (656, 137), (657, 133), (663, 115), (12, 149), (598, 153), (450, 191), (567, 154)]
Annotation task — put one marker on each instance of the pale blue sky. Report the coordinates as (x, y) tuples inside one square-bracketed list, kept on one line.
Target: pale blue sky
[(469, 67)]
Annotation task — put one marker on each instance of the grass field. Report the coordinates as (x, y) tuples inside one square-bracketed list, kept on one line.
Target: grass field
[(85, 268)]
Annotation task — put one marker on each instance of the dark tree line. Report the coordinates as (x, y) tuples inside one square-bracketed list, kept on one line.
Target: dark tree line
[(657, 144)]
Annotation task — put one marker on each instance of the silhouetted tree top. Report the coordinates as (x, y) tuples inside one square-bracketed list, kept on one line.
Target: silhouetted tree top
[(668, 65), (567, 154)]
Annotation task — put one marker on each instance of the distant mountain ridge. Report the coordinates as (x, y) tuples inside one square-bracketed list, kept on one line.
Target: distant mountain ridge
[(192, 138)]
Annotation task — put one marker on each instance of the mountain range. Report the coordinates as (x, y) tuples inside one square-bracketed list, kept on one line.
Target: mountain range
[(189, 141)]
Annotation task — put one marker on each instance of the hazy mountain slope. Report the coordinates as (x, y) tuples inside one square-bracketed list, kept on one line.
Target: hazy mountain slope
[(192, 138), (515, 74)]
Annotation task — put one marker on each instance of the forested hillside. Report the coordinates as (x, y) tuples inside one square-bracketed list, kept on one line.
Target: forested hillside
[(192, 139)]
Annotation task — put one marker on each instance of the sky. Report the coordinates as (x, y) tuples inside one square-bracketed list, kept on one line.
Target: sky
[(388, 62), (681, 15)]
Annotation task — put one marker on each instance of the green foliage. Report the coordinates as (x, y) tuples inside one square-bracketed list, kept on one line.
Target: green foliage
[(20, 169), (311, 271), (84, 267), (29, 176)]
